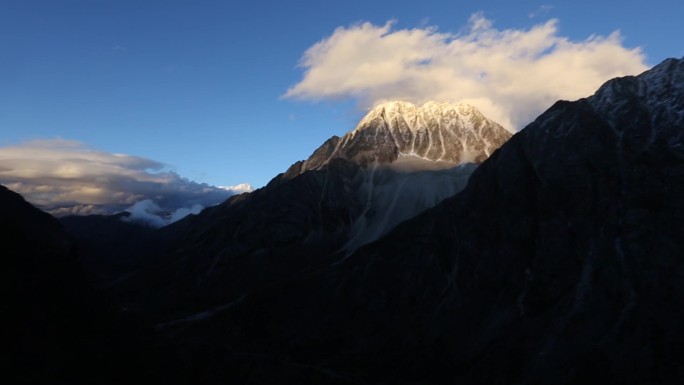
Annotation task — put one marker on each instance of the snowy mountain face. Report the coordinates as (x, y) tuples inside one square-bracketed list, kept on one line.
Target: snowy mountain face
[(410, 159), (444, 134)]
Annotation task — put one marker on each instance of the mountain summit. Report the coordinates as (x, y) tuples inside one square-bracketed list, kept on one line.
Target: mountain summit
[(457, 133), (444, 134)]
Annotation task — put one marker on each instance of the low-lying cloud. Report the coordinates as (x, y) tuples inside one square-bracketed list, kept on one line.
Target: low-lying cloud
[(238, 188), (510, 75), (149, 213), (66, 177)]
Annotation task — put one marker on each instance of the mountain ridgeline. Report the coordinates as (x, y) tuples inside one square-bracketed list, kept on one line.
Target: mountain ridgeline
[(427, 246)]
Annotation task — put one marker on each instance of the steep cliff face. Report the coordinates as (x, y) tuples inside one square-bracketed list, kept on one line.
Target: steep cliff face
[(561, 262)]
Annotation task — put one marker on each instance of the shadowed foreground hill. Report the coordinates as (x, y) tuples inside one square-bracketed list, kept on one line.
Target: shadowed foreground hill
[(55, 328)]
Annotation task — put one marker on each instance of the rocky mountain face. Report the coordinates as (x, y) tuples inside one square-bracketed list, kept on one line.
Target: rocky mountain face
[(561, 262), (446, 134)]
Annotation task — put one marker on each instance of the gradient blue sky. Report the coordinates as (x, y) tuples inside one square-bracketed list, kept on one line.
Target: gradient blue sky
[(198, 85)]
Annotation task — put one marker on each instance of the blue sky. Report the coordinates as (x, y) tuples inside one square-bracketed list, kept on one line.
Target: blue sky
[(198, 85)]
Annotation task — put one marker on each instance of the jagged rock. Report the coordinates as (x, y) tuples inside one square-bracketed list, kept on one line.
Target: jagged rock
[(449, 134)]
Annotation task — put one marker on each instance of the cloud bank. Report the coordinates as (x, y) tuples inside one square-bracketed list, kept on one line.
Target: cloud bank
[(238, 188), (510, 75), (66, 177), (149, 213)]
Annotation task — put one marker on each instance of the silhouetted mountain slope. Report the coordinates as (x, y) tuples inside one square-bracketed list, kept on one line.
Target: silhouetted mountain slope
[(55, 327), (110, 247), (39, 278)]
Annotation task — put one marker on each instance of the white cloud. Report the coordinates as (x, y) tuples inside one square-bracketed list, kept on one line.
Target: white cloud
[(238, 188), (66, 177), (148, 212), (511, 75)]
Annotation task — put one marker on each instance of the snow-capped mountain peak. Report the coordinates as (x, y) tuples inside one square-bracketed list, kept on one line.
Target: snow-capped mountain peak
[(443, 133), (416, 116)]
